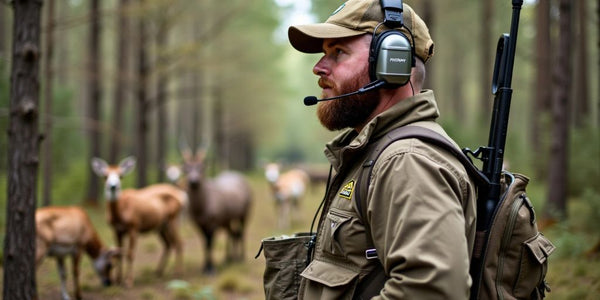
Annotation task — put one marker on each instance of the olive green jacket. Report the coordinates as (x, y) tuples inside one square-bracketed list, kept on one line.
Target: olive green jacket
[(420, 207)]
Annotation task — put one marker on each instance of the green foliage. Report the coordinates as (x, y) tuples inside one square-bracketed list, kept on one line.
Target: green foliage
[(68, 185), (66, 133), (184, 290), (568, 245), (584, 168)]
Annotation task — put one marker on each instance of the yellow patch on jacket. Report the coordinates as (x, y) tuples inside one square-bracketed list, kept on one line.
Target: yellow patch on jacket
[(347, 190)]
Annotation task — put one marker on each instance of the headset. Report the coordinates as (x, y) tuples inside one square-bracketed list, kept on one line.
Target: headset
[(391, 56)]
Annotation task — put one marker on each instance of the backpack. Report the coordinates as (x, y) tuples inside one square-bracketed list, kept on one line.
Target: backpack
[(515, 261)]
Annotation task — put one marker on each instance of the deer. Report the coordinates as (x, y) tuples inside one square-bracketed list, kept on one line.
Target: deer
[(68, 231), (288, 188), (131, 212), (216, 203)]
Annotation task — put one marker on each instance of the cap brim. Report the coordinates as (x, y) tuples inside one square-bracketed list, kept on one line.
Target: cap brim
[(309, 38)]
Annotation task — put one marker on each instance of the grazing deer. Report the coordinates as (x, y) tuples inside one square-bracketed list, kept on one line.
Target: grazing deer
[(68, 231), (288, 189), (134, 211), (221, 202)]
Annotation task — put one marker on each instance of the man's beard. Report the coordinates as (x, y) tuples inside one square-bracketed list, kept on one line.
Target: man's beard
[(348, 112)]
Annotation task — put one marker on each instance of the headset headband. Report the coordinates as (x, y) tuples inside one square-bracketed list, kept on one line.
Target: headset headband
[(392, 13)]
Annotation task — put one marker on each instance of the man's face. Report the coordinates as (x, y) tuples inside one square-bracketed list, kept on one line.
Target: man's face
[(344, 69)]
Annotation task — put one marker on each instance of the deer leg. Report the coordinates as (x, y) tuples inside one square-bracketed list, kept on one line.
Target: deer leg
[(130, 255), (40, 252), (229, 244), (208, 263), (60, 263), (119, 275), (76, 260), (238, 236), (173, 235), (234, 233), (164, 236)]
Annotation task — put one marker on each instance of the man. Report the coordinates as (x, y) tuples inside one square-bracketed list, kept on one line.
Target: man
[(420, 212)]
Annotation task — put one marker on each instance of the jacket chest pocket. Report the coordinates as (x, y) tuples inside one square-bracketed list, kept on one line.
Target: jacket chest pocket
[(340, 233)]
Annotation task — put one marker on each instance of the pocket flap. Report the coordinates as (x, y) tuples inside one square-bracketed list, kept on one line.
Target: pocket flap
[(328, 274), (540, 247)]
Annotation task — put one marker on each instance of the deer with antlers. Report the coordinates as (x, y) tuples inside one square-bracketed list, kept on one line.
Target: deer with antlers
[(130, 212), (220, 202), (68, 231)]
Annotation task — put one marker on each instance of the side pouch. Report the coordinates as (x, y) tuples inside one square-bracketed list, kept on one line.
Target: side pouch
[(286, 257)]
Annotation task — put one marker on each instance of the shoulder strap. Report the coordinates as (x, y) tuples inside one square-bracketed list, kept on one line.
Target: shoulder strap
[(404, 132), (374, 280)]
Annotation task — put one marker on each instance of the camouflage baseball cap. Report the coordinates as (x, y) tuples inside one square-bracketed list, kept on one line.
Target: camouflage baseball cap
[(356, 17)]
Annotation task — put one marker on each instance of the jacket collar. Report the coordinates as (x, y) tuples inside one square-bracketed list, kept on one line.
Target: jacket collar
[(420, 107)]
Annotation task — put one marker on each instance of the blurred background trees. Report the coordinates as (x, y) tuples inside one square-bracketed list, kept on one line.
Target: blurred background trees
[(137, 77)]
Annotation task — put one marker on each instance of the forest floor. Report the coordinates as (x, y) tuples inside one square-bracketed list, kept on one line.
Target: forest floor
[(232, 281), (571, 275)]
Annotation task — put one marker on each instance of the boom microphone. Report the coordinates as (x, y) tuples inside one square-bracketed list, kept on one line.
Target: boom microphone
[(312, 100)]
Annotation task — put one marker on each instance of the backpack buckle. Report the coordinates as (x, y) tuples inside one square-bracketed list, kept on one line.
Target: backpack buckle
[(371, 253)]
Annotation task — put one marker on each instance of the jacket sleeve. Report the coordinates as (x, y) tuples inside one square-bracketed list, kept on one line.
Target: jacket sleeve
[(417, 223)]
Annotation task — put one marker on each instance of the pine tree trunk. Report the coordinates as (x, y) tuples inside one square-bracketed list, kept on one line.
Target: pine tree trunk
[(121, 82), (48, 99), (19, 243), (161, 100), (142, 107), (558, 182), (94, 97), (581, 109), (543, 80), (429, 18)]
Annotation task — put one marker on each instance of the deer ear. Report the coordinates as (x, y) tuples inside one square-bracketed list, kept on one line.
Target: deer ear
[(99, 166), (127, 165)]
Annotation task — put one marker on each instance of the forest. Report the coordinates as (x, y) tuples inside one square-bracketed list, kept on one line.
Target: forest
[(84, 79)]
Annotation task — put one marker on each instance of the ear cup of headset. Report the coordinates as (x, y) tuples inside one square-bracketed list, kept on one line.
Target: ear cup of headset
[(391, 58)]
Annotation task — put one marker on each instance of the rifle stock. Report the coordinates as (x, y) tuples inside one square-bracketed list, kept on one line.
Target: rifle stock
[(492, 156)]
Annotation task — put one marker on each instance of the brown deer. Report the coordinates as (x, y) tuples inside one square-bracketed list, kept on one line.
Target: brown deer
[(68, 231), (155, 208), (221, 202), (288, 188)]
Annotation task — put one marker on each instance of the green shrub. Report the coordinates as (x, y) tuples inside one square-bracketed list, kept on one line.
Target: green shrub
[(584, 168)]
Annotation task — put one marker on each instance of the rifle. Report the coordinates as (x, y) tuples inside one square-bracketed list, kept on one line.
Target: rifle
[(488, 198)]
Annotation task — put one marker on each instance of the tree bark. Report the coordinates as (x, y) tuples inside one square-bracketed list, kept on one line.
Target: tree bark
[(581, 109), (543, 80), (221, 149), (94, 94), (429, 18), (142, 104), (558, 179), (161, 100), (48, 99), (121, 80), (19, 242)]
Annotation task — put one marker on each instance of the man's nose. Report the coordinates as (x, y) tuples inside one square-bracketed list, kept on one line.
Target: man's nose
[(321, 67)]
